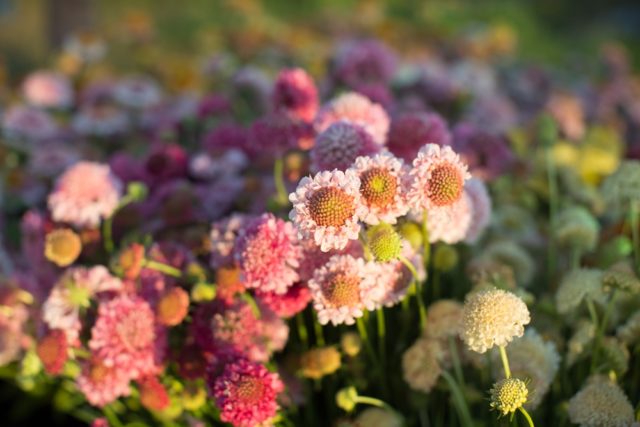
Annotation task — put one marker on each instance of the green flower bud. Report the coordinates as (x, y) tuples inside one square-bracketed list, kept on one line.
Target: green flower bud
[(347, 398), (411, 232), (445, 258), (385, 244)]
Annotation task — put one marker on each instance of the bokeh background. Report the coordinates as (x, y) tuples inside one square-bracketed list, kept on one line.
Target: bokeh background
[(173, 40)]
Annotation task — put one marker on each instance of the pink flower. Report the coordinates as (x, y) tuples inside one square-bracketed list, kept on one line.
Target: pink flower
[(165, 162), (343, 288), (382, 188), (480, 209), (52, 351), (411, 131), (28, 123), (396, 278), (313, 258), (339, 145), (223, 237), (295, 93), (363, 61), (124, 335), (153, 395), (450, 225), (357, 109), (84, 194), (48, 89), (102, 384), (288, 304), (74, 290), (267, 251), (438, 177), (327, 207), (246, 393)]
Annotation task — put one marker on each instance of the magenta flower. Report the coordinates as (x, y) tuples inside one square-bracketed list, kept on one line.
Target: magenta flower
[(295, 94), (411, 131), (338, 146)]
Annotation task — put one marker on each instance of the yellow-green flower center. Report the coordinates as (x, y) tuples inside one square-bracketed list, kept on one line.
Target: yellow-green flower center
[(445, 185), (331, 206), (508, 395), (342, 290), (378, 187)]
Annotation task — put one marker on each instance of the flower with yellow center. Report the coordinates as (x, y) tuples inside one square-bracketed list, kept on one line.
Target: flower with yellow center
[(62, 246), (508, 395), (383, 241)]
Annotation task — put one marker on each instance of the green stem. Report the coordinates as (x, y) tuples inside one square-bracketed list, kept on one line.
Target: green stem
[(381, 337), (362, 329), (319, 334), (111, 416), (553, 208), (596, 344), (278, 176), (366, 400), (459, 401), (457, 366), (505, 361), (527, 416), (162, 268), (302, 331), (426, 255), (418, 291)]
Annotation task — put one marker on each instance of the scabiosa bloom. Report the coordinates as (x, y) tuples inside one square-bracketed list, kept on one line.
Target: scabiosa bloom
[(288, 304), (246, 393), (52, 351), (28, 123), (47, 89), (487, 155), (72, 291), (451, 225), (339, 145), (153, 395), (102, 384), (137, 92), (411, 131), (100, 120), (172, 307), (165, 162), (421, 364), (577, 286), (267, 252), (314, 258), (295, 93), (86, 193), (509, 394), (438, 178), (601, 403), (382, 188), (480, 209), (124, 335), (343, 288), (318, 362), (327, 207), (357, 109), (492, 317), (62, 246), (359, 61)]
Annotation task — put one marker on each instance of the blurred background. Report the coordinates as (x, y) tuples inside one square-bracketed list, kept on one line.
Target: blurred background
[(174, 40)]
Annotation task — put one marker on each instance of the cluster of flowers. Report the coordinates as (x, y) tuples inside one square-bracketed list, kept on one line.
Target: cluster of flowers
[(157, 263)]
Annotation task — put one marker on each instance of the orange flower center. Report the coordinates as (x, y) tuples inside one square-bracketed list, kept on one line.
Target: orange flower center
[(378, 187), (342, 290), (250, 390), (331, 206), (445, 185)]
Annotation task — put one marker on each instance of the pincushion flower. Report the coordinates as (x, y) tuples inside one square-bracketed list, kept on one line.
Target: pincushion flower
[(288, 304), (601, 403), (338, 146), (509, 394), (53, 351), (100, 120), (267, 252), (47, 89), (577, 286), (246, 393), (62, 246), (318, 362), (363, 61), (357, 109), (451, 225), (124, 335), (137, 92), (421, 364), (84, 194), (327, 207), (295, 93), (28, 123), (409, 132), (492, 318), (73, 291), (438, 178), (102, 384), (343, 288), (382, 188)]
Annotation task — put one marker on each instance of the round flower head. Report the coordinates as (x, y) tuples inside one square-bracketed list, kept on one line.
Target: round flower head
[(363, 61), (444, 319), (173, 307), (487, 155), (622, 187), (513, 256), (532, 358), (52, 351), (62, 246), (578, 285), (86, 193), (313, 257), (383, 241), (48, 89), (28, 123), (576, 228), (421, 364), (580, 341), (137, 92), (339, 145), (246, 393), (343, 288), (629, 332), (382, 188), (54, 160), (124, 335), (72, 291), (223, 236), (318, 362), (326, 208), (295, 93), (480, 209), (102, 384), (508, 395), (492, 318), (411, 131), (101, 120), (378, 417), (601, 403), (438, 178), (267, 252), (357, 109), (288, 304), (450, 225), (153, 395)]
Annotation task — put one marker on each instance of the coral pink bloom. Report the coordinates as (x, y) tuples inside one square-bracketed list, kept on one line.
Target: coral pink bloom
[(86, 193), (339, 145), (48, 89), (102, 384)]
